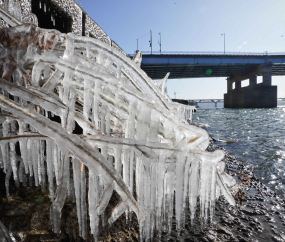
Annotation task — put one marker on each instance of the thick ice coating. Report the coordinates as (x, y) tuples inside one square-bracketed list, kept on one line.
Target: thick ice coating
[(77, 110)]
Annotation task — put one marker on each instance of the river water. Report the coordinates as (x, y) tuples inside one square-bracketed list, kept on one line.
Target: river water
[(253, 135)]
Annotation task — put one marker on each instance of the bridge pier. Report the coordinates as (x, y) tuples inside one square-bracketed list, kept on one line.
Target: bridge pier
[(262, 95), (252, 81)]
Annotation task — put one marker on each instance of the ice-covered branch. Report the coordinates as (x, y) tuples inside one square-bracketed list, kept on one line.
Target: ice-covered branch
[(75, 103)]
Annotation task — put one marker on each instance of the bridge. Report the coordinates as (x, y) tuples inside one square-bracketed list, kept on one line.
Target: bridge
[(236, 66), (209, 64), (197, 101), (215, 101)]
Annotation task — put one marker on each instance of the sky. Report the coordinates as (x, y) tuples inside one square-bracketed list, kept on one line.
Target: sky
[(194, 25)]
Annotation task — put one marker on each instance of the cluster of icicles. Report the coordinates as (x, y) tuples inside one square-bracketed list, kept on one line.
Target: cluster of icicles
[(80, 116)]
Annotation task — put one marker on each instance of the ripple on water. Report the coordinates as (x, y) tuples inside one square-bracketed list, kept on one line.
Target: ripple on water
[(254, 135)]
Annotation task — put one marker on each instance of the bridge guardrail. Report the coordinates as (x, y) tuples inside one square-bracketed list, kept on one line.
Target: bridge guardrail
[(210, 53), (219, 100)]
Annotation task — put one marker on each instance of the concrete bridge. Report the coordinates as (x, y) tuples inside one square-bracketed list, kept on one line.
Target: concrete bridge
[(236, 66)]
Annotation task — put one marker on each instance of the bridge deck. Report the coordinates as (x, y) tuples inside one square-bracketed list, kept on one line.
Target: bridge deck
[(209, 65)]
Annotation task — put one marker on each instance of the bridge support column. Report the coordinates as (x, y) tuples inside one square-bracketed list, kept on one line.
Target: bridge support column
[(266, 74), (238, 85), (228, 95), (229, 85), (262, 95), (253, 81)]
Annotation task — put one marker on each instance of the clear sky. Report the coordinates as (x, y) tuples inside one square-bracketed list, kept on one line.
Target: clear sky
[(194, 25)]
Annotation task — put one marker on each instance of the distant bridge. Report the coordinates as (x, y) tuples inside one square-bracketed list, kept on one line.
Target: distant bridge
[(216, 101), (196, 101)]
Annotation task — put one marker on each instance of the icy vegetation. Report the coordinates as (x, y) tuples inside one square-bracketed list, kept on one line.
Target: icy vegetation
[(84, 121)]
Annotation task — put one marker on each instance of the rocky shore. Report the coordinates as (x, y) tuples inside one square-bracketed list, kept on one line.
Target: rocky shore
[(259, 215)]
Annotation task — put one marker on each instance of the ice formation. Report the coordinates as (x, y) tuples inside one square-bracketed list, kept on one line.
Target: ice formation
[(134, 139)]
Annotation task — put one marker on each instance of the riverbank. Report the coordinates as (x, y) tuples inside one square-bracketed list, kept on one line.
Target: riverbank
[(259, 215)]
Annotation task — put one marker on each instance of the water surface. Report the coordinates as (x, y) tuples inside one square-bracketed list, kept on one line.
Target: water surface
[(253, 135)]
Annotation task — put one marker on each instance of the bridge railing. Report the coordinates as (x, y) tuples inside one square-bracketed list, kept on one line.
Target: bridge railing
[(219, 100), (208, 53)]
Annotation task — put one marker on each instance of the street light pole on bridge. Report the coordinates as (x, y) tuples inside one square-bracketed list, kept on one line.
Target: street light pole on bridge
[(159, 42), (175, 94), (150, 42), (137, 45), (224, 43)]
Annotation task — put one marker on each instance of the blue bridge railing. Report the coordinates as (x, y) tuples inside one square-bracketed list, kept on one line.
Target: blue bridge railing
[(209, 53)]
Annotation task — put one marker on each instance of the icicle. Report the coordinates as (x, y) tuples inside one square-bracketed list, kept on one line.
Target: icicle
[(169, 194), (4, 150), (45, 7), (24, 154), (49, 148), (186, 186), (67, 177), (147, 205), (160, 192), (118, 160), (102, 116), (193, 187), (1, 159), (104, 200), (30, 156), (153, 198), (35, 161), (59, 163), (83, 201), (179, 191), (87, 98), (77, 187), (55, 162), (38, 147), (61, 193), (97, 90), (13, 160), (131, 179), (40, 4), (108, 123), (42, 170), (126, 167), (206, 175), (93, 195), (213, 185), (140, 192), (4, 147)]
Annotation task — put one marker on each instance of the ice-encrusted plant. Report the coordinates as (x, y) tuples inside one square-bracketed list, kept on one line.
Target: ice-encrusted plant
[(74, 105)]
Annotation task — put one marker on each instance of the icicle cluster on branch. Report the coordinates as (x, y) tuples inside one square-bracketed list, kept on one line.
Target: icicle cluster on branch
[(74, 105)]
